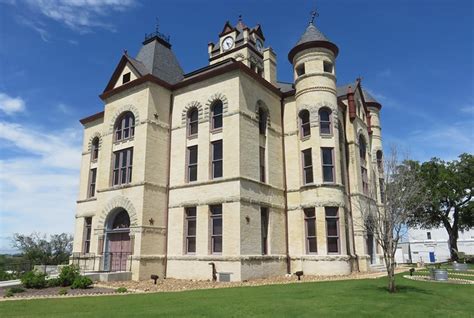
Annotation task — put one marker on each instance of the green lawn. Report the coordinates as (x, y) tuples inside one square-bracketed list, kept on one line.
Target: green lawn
[(356, 298)]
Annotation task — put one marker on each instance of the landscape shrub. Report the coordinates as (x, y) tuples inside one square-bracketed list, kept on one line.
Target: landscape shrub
[(62, 291), (17, 289), (68, 275), (9, 293), (121, 290), (53, 282), (34, 280), (81, 282), (6, 276)]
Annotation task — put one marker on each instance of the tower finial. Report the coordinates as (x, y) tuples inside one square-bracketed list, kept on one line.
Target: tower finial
[(314, 14), (240, 18), (157, 25)]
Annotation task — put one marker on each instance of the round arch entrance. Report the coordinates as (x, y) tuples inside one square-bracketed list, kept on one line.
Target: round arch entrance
[(117, 243)]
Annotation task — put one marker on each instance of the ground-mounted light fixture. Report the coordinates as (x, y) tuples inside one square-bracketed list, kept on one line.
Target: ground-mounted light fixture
[(214, 272), (299, 274), (154, 277)]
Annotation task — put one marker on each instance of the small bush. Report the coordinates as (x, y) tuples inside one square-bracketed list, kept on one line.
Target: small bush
[(68, 275), (53, 282), (62, 291), (34, 280), (17, 289), (81, 282), (6, 276), (121, 290), (9, 293)]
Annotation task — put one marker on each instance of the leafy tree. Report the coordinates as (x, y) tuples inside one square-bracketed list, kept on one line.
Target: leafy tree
[(449, 186), (39, 250)]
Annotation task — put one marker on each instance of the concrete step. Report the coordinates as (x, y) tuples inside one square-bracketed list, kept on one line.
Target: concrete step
[(377, 268)]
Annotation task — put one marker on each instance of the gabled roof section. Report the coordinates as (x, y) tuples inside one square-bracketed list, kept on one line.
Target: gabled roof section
[(370, 100), (138, 67), (258, 30), (227, 28)]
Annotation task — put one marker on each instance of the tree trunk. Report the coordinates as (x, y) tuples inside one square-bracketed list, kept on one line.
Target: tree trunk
[(391, 276), (453, 246)]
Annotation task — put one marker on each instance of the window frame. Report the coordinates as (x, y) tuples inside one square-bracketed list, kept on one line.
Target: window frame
[(379, 157), (126, 77), (91, 189), (307, 220), (118, 167), (325, 122), (215, 214), (121, 127), (188, 218), (95, 149), (190, 165), (264, 227), (190, 122), (307, 167), (304, 125), (262, 165), (262, 121), (328, 165), (300, 70), (328, 64), (333, 218), (86, 245), (214, 115), (215, 161)]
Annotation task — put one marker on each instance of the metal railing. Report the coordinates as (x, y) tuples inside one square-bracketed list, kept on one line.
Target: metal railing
[(116, 262)]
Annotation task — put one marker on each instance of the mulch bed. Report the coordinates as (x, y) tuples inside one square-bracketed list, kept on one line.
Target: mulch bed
[(177, 285), (54, 291)]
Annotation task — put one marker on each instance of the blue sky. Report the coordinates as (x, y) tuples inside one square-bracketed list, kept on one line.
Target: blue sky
[(56, 56)]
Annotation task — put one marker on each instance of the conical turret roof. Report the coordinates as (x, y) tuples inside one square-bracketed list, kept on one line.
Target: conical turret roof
[(312, 37)]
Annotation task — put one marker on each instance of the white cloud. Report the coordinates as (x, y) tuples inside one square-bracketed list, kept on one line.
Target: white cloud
[(37, 26), (10, 105), (39, 177), (80, 15)]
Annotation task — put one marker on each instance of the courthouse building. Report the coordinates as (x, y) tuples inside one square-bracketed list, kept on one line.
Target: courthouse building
[(225, 171)]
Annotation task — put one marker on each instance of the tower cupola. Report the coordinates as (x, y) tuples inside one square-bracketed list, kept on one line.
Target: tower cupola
[(312, 38)]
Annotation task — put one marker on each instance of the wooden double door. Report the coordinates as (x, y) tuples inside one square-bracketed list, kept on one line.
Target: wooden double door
[(119, 251)]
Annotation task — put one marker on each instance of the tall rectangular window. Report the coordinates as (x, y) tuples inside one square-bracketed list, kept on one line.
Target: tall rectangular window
[(382, 190), (264, 229), (192, 163), (217, 159), (307, 166), (92, 180), (123, 161), (310, 230), (216, 228), (190, 230), (428, 235), (328, 164), (87, 234), (332, 229), (262, 164), (365, 180)]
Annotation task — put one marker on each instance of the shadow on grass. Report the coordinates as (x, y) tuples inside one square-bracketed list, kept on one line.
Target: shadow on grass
[(402, 289)]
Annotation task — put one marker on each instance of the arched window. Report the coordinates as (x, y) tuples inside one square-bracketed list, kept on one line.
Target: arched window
[(95, 149), (362, 148), (120, 220), (216, 115), (305, 128), (380, 160), (193, 121), (363, 168), (125, 126), (262, 120), (325, 118)]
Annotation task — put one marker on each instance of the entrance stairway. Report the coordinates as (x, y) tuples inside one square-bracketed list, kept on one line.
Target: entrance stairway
[(377, 268)]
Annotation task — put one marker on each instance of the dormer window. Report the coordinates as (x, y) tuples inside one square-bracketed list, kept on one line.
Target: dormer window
[(126, 78), (327, 66), (300, 70)]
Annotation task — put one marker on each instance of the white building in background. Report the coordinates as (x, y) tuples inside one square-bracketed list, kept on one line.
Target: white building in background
[(431, 245)]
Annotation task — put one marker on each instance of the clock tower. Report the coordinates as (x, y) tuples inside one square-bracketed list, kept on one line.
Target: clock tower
[(246, 45)]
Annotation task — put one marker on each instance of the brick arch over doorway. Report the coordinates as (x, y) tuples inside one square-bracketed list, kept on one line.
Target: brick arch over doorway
[(114, 203), (118, 242)]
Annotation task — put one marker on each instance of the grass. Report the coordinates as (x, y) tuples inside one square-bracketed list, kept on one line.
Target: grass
[(355, 298)]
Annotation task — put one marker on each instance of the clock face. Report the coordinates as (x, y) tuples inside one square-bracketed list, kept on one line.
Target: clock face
[(259, 45), (227, 43)]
